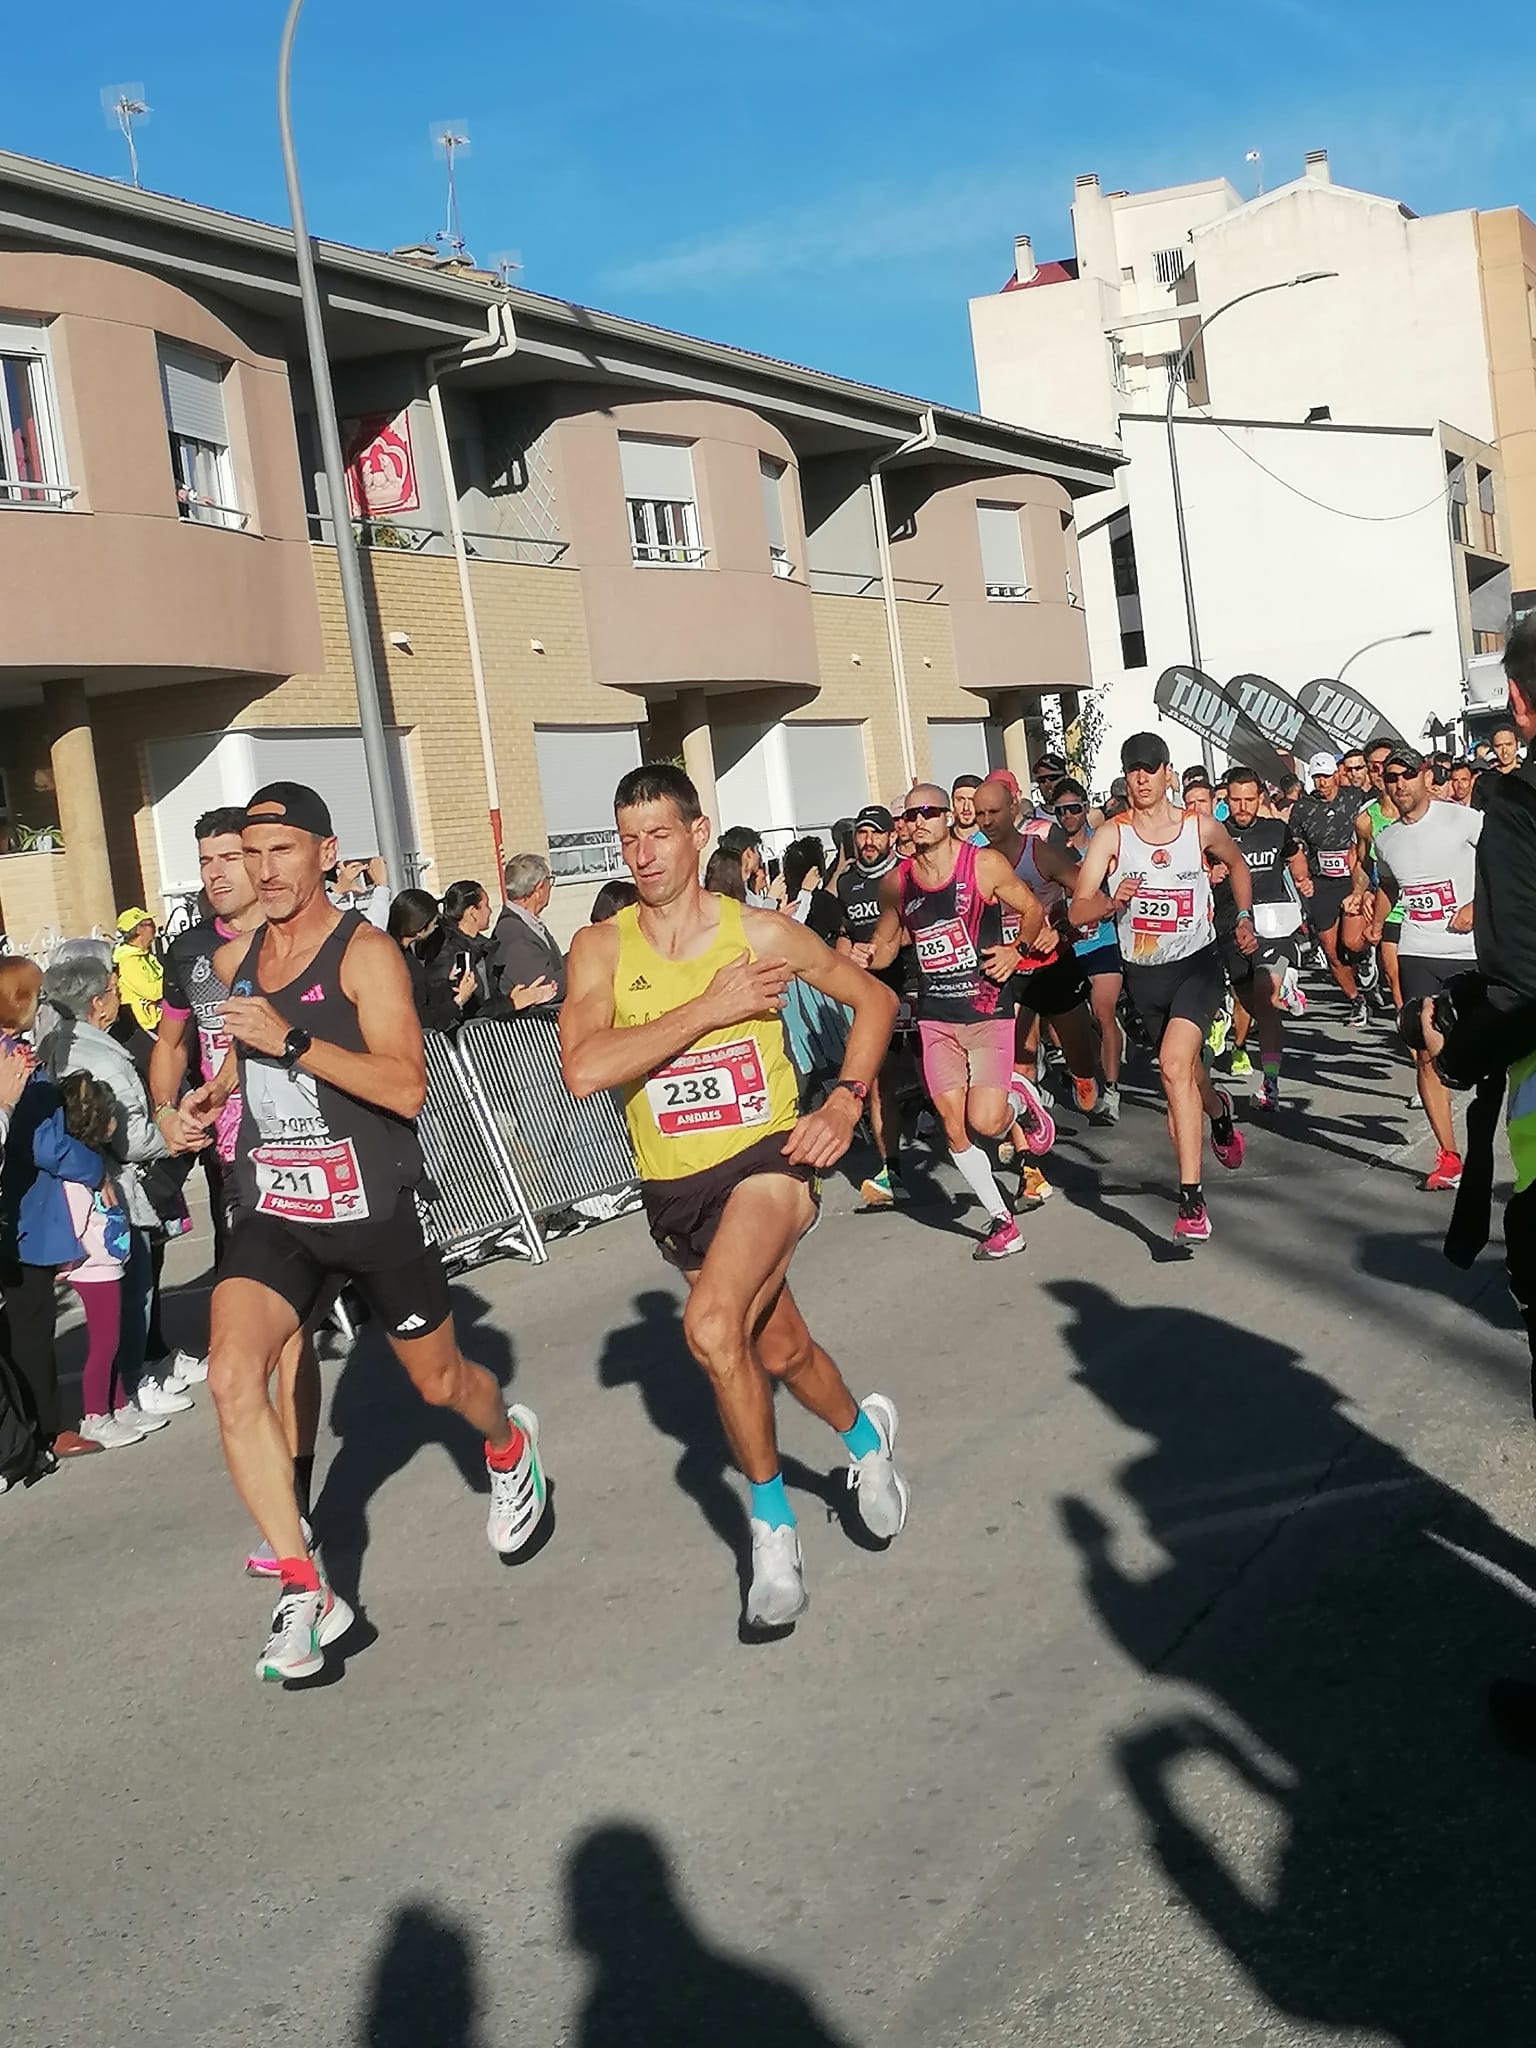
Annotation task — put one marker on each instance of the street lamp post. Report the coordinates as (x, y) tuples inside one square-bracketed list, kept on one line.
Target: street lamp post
[(1176, 370), (1386, 640), (370, 717)]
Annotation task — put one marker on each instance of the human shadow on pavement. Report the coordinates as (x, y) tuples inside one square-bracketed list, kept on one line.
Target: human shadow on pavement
[(424, 1990), (655, 1983), (1342, 1611), (382, 1423), (1415, 1259)]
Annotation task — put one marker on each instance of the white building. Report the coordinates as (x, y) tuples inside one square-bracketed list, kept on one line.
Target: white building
[(1344, 497)]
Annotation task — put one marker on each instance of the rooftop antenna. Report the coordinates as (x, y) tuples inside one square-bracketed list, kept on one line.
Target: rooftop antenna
[(122, 105), (506, 263), (451, 141), (1256, 156)]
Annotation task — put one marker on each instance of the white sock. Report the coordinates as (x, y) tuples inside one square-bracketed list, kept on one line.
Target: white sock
[(975, 1170)]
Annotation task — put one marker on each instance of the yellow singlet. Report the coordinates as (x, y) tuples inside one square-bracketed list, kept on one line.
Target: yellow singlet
[(730, 1089)]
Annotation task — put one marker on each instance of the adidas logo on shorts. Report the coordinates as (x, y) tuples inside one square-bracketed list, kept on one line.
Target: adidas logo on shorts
[(639, 982)]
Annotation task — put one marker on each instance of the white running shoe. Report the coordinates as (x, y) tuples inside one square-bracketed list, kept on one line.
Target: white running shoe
[(182, 1369), (777, 1595), (302, 1624), (132, 1416), (1108, 1111), (883, 1494), (110, 1431), (518, 1497), (155, 1398)]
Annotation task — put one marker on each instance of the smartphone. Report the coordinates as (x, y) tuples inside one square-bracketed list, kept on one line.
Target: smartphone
[(460, 966)]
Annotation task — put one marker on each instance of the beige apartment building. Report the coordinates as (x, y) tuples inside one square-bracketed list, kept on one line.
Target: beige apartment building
[(586, 541)]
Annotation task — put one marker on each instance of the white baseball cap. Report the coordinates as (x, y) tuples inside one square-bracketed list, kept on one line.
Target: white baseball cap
[(1322, 764)]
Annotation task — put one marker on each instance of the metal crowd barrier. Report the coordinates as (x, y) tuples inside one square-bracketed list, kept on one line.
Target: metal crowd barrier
[(509, 1147)]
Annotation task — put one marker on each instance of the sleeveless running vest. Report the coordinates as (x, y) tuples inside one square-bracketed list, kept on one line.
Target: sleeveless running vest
[(1379, 823), (1169, 917), (730, 1089), (308, 1152), (1000, 925), (945, 924)]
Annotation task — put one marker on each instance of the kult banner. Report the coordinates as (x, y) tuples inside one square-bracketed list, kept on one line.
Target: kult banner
[(1349, 719), (1201, 704)]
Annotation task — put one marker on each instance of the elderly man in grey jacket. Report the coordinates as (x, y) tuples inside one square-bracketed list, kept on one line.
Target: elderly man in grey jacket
[(81, 990), (527, 953)]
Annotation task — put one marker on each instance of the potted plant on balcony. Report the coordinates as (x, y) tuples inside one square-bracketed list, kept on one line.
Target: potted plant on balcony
[(36, 838)]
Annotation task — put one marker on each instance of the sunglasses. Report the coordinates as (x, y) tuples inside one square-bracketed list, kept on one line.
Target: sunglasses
[(1062, 810), (1398, 775), (911, 816)]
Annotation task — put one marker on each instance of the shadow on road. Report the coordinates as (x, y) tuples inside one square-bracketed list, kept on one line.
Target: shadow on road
[(382, 1423), (653, 1982), (1336, 1812)]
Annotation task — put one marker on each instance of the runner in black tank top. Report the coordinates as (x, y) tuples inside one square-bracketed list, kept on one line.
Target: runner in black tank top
[(327, 1053)]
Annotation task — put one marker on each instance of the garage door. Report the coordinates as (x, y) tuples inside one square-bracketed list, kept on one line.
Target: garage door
[(202, 771)]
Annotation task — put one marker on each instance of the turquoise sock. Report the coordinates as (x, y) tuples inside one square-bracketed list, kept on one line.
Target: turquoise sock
[(1272, 1069), (862, 1438), (770, 1503)]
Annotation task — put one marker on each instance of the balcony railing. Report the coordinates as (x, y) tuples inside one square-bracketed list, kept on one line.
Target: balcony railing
[(397, 536), (1009, 593), (854, 583), (16, 492)]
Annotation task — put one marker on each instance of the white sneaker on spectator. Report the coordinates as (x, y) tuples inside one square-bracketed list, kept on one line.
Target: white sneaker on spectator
[(179, 1371), (135, 1417), (155, 1398), (112, 1432)]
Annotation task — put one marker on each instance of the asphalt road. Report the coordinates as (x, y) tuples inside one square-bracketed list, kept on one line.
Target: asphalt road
[(1163, 1723)]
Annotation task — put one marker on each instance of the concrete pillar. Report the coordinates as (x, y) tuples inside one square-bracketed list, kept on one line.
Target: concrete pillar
[(699, 750), (1010, 712), (73, 755)]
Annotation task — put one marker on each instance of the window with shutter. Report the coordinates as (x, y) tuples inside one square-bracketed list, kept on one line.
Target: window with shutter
[(192, 386), (580, 766), (660, 494), (1002, 551), (771, 476)]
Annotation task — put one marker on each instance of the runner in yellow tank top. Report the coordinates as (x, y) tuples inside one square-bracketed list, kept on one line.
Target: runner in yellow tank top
[(677, 1002)]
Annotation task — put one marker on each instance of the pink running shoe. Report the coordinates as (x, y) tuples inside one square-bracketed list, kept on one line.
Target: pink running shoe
[(1226, 1138), (1192, 1225), (1031, 1115), (1004, 1237)]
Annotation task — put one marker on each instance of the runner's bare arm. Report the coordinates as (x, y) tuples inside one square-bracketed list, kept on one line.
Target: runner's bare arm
[(885, 940), (999, 884), (822, 1138), (1358, 900), (391, 1074), (1058, 861), (1223, 846), (168, 1057), (1091, 902), (1301, 874), (596, 1053)]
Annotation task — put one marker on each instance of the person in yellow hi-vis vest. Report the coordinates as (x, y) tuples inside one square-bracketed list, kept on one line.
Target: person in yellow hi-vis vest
[(140, 976), (677, 1001)]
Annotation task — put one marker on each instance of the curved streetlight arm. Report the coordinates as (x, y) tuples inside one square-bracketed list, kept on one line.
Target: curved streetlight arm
[(370, 717), (1386, 640), (1175, 369)]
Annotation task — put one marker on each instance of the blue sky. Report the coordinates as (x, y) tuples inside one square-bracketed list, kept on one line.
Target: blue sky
[(825, 180)]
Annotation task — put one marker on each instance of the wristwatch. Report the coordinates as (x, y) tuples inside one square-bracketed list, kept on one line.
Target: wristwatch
[(295, 1045), (859, 1090)]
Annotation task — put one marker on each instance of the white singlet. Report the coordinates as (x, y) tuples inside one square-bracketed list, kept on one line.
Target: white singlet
[(1169, 918)]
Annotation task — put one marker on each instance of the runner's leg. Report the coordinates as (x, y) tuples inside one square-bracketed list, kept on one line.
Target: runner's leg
[(762, 1222), (788, 1352), (1437, 1103), (1188, 1092), (1106, 999), (249, 1326), (444, 1378), (1344, 976), (1266, 1016)]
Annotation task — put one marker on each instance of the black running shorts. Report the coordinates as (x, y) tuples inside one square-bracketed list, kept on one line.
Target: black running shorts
[(684, 1214), (1324, 907), (389, 1261), (1420, 977), (1274, 954), (1050, 991), (1192, 989)]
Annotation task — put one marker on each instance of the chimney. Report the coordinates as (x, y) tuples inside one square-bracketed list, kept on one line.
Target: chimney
[(1086, 181), (1024, 265), (1317, 167)]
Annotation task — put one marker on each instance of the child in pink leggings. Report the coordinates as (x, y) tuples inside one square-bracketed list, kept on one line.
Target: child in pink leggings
[(102, 1228)]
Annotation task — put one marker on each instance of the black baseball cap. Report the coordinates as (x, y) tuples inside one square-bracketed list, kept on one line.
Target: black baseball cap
[(1145, 750), (293, 804), (1052, 763), (1406, 757), (876, 817)]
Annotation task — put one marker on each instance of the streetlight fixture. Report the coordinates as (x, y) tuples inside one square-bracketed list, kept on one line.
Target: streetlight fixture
[(370, 717), (1386, 640), (1176, 370)]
